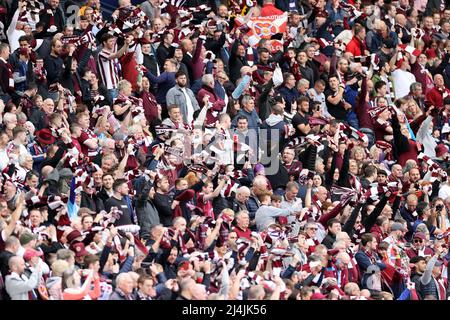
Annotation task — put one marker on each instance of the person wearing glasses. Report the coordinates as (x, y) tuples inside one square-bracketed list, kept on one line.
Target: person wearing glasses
[(419, 247), (311, 236)]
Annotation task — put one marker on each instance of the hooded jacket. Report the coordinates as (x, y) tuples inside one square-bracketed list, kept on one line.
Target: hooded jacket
[(145, 209)]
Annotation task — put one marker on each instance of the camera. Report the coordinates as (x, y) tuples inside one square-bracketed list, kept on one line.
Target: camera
[(439, 207), (146, 265)]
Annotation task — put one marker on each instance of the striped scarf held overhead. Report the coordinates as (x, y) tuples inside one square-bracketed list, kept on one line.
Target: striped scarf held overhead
[(84, 39), (249, 56), (434, 169)]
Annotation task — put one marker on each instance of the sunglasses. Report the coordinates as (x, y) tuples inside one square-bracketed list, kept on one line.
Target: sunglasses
[(418, 240)]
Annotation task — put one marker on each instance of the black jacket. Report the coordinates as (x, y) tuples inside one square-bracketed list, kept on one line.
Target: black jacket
[(236, 63), (67, 75), (92, 202), (54, 67), (163, 53), (38, 118), (145, 209), (163, 204), (59, 21), (329, 240)]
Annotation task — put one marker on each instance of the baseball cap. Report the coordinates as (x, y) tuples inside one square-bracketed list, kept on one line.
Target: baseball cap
[(27, 237), (420, 235), (31, 253)]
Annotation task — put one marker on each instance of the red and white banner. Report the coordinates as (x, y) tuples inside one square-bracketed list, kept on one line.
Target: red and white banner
[(264, 28)]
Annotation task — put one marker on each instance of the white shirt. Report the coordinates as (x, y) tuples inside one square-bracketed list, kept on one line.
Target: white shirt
[(108, 69), (14, 34), (444, 191), (312, 93), (4, 159), (189, 106), (402, 82)]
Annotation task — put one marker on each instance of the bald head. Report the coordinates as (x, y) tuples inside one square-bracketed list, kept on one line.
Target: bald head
[(198, 292), (185, 286), (16, 264), (46, 170), (256, 292), (400, 19)]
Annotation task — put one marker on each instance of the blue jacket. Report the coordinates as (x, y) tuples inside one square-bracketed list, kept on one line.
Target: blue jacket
[(165, 81), (364, 261), (289, 95), (252, 117), (377, 41)]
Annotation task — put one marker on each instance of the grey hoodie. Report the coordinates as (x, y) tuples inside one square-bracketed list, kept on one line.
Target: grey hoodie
[(273, 119)]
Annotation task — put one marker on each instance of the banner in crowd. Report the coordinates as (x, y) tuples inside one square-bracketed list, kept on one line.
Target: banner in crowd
[(264, 28)]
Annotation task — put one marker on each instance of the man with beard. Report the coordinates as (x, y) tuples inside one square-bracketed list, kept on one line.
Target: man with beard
[(53, 63), (300, 120), (120, 201), (107, 187), (183, 97), (419, 264), (52, 18), (413, 180), (163, 202), (394, 251)]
